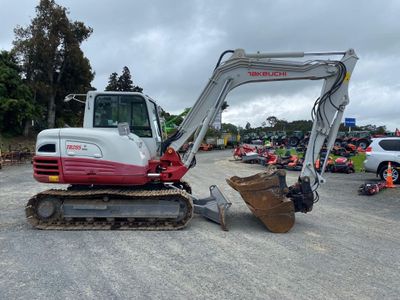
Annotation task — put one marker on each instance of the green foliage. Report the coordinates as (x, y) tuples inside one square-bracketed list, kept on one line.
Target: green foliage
[(174, 120), (358, 161), (380, 130), (272, 120), (276, 124), (272, 124), (16, 105), (125, 82), (371, 128), (112, 82), (224, 106), (283, 151), (52, 61), (13, 114), (212, 132), (11, 84), (164, 114), (302, 125), (228, 127), (171, 122), (122, 83)]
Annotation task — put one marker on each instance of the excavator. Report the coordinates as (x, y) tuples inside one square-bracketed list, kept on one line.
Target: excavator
[(121, 174)]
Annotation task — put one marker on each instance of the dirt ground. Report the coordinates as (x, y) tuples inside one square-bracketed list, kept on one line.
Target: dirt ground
[(346, 248)]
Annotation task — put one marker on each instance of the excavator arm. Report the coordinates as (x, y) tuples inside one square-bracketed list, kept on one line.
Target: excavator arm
[(242, 68), (327, 112)]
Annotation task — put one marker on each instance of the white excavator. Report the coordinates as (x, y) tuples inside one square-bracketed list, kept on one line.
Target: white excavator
[(123, 175)]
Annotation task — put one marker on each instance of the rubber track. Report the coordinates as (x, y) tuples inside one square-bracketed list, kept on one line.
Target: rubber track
[(102, 223)]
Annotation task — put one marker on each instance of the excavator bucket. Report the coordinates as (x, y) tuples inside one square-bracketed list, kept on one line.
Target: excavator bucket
[(264, 194), (213, 207)]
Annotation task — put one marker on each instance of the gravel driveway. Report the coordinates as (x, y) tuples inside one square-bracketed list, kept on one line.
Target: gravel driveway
[(346, 248)]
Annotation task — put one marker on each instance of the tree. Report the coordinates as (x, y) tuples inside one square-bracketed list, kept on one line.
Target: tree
[(281, 124), (224, 106), (122, 83), (272, 120), (125, 82), (228, 127), (248, 126), (51, 58), (380, 129), (112, 82), (16, 104), (174, 120)]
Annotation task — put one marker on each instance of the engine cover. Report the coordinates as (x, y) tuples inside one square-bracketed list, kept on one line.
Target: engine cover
[(90, 156)]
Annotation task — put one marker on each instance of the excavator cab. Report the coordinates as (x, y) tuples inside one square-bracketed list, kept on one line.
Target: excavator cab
[(114, 168), (108, 109)]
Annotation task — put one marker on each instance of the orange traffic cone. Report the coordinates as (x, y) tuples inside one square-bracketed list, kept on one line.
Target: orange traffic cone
[(389, 178)]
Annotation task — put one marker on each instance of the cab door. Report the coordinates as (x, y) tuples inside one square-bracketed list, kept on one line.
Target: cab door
[(155, 125)]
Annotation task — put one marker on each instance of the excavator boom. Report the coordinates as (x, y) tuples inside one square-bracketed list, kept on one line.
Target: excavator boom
[(267, 194)]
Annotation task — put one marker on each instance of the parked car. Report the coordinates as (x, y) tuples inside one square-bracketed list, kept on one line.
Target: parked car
[(379, 153)]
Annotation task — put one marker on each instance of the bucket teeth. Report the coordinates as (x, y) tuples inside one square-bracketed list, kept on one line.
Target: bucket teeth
[(265, 195)]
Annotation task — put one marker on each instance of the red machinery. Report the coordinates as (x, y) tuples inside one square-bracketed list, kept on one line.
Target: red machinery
[(241, 150), (342, 165)]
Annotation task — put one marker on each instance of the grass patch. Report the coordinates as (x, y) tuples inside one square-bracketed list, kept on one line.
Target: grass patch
[(357, 159)]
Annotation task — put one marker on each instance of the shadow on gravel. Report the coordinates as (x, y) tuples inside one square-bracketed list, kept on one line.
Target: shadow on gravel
[(246, 222)]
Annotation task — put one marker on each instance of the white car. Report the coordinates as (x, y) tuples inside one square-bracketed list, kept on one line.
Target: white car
[(379, 153)]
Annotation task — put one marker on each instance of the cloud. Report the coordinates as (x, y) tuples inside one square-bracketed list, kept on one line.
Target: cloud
[(294, 107), (171, 48)]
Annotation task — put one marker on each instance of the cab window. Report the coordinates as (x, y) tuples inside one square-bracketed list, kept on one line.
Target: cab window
[(109, 110)]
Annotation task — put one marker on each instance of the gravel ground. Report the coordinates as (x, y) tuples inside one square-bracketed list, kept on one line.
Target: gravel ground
[(347, 248)]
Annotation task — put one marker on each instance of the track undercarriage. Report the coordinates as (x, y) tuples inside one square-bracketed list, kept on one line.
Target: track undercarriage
[(111, 208)]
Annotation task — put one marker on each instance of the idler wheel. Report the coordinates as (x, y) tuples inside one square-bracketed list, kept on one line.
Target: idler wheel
[(48, 208)]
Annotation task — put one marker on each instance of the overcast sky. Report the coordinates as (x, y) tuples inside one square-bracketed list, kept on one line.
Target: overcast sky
[(171, 48)]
